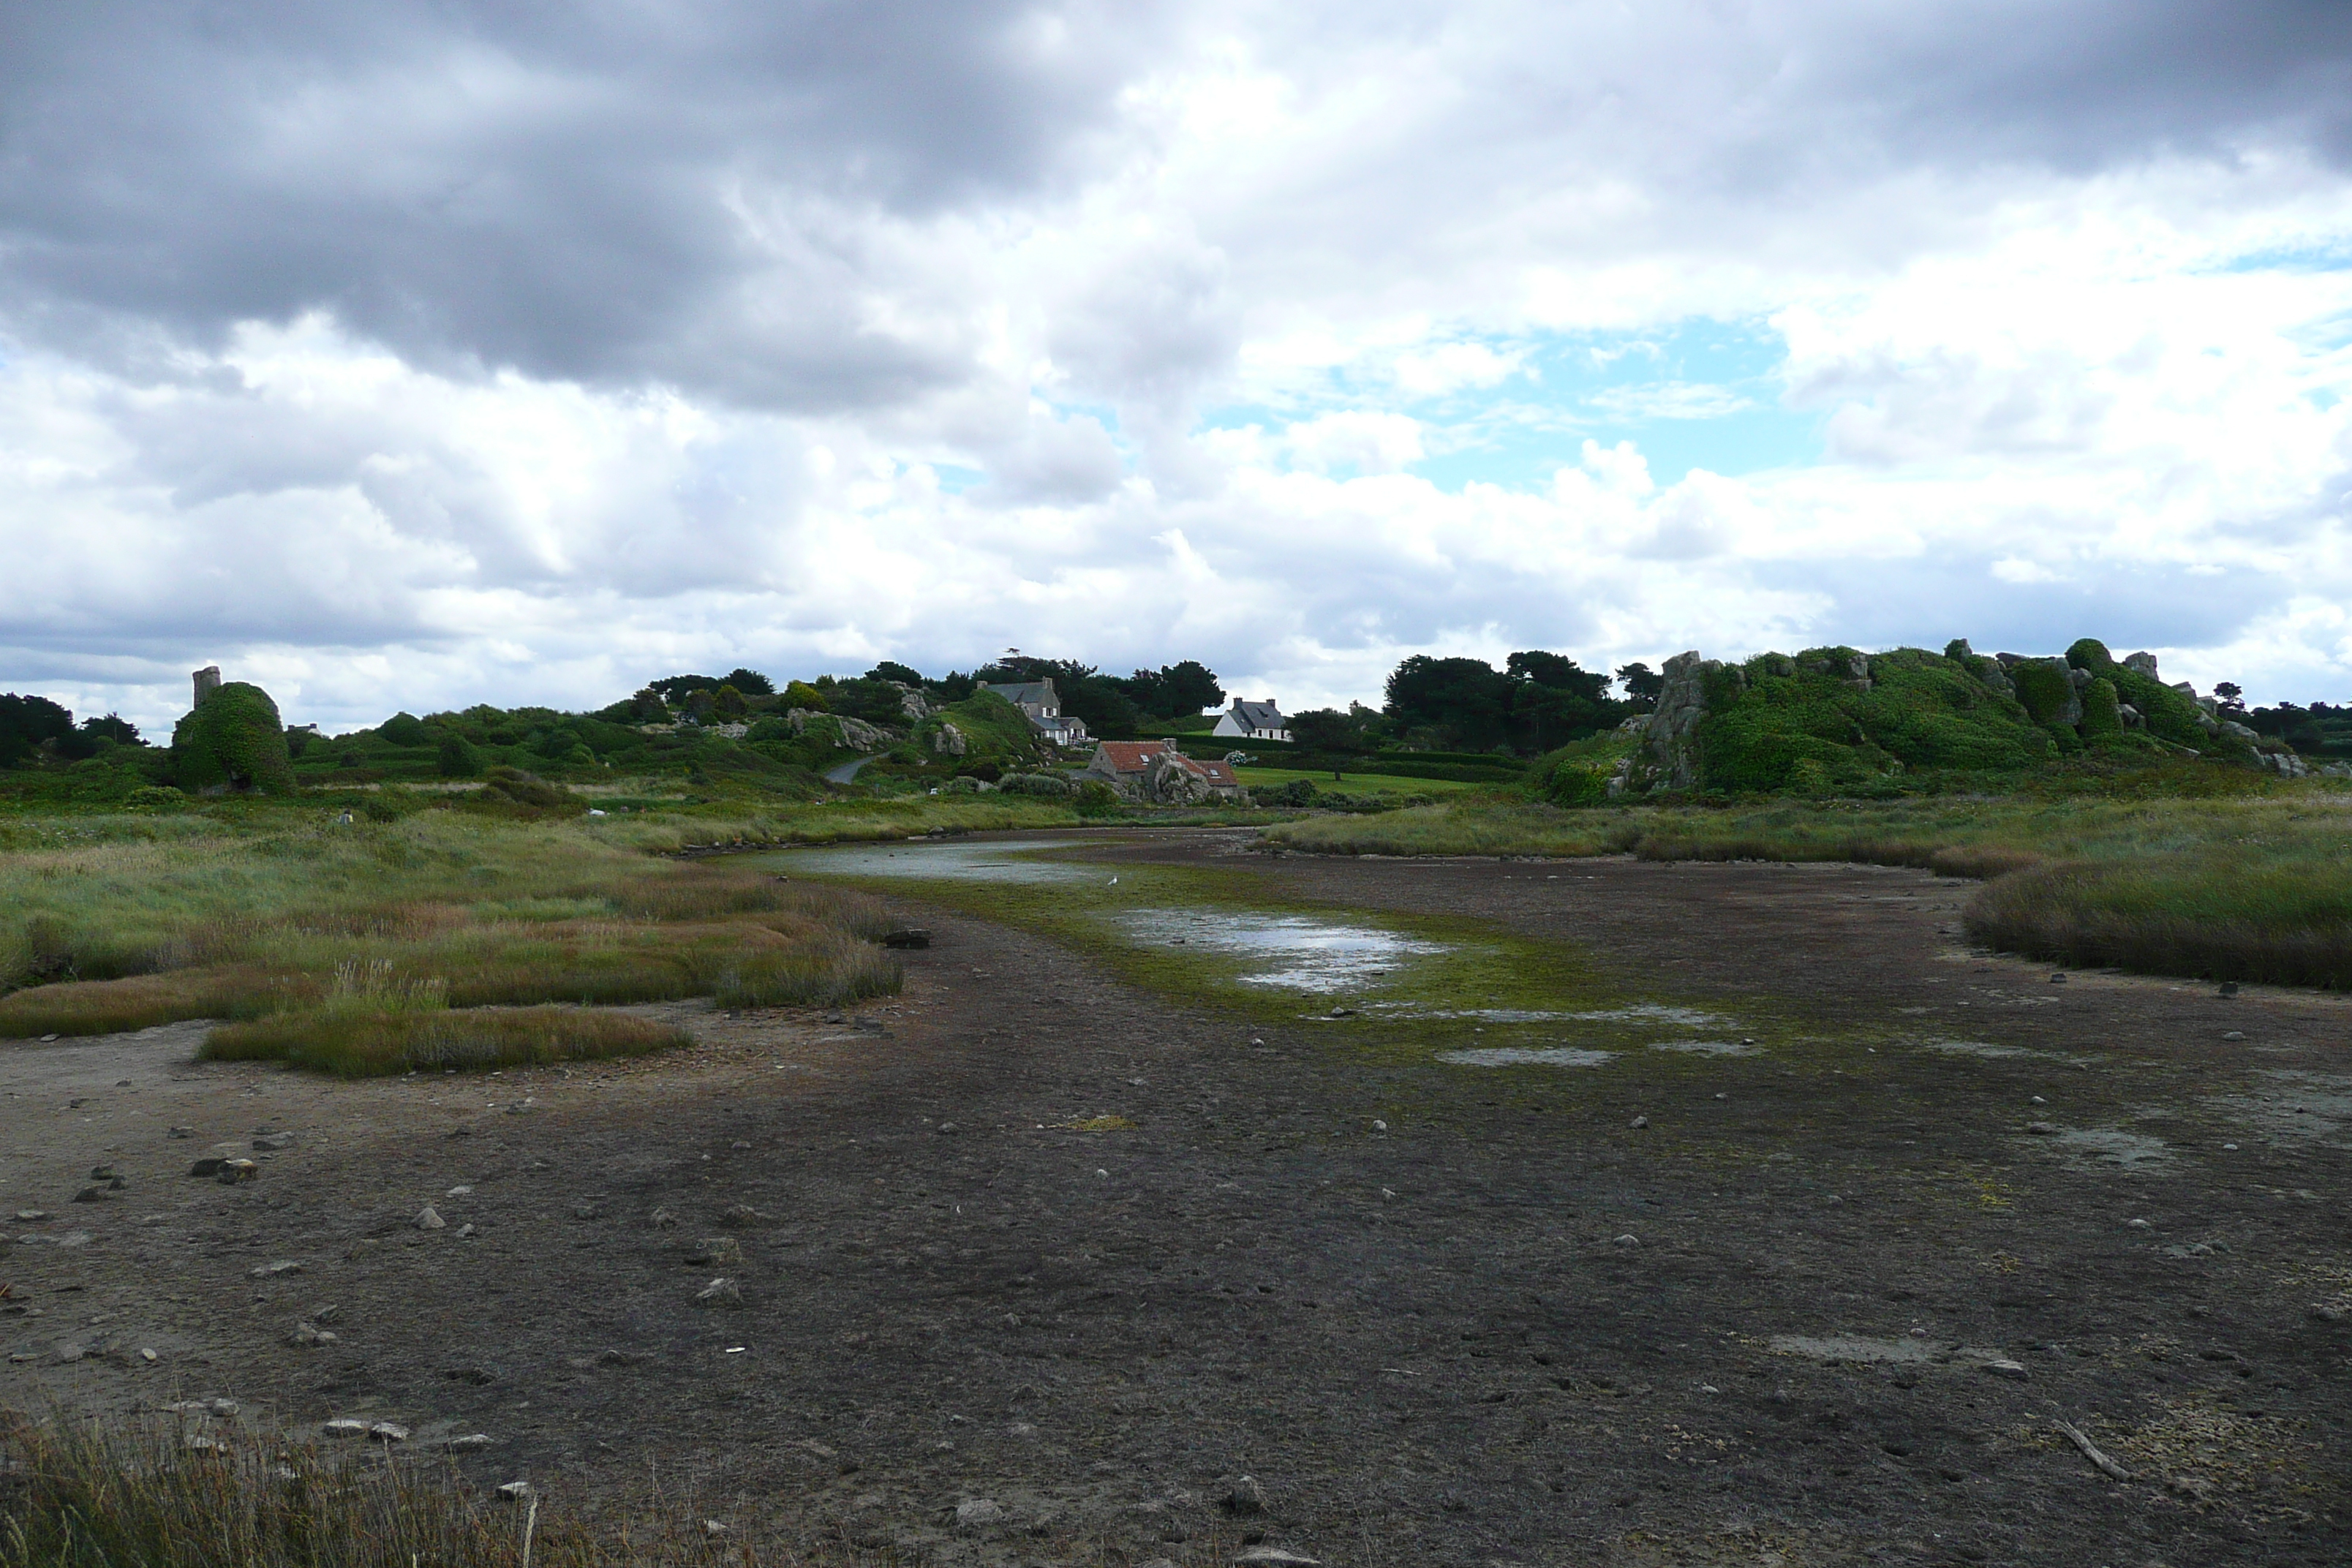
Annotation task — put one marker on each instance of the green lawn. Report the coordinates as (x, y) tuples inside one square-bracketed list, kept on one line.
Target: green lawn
[(1352, 783)]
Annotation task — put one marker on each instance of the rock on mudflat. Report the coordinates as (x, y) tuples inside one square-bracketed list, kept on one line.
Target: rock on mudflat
[(719, 1292), (975, 1513), (2002, 1366), (430, 1219), (232, 1171), (1243, 1499), (345, 1426), (716, 1251), (1274, 1554)]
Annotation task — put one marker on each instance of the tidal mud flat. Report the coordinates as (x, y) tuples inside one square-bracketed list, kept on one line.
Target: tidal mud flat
[(1472, 1210)]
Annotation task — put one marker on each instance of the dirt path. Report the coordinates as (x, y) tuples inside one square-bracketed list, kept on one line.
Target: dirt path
[(1511, 1326)]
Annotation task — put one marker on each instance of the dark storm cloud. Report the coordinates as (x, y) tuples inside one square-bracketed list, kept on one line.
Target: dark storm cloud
[(689, 193), (610, 191)]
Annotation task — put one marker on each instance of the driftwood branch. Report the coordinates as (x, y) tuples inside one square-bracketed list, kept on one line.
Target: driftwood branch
[(2105, 1465)]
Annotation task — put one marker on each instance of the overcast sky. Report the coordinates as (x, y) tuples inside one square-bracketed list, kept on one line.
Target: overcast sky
[(412, 355)]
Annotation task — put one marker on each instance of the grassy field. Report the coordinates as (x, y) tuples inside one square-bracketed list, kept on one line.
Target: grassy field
[(437, 938), (2255, 884), (1353, 783)]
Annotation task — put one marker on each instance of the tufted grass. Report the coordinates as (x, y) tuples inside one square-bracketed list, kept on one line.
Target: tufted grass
[(360, 1042), (124, 932), (2255, 885)]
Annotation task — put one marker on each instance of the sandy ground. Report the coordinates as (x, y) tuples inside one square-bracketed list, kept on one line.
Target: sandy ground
[(1816, 1310)]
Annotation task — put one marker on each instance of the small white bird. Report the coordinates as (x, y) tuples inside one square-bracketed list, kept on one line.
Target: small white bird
[(1114, 881)]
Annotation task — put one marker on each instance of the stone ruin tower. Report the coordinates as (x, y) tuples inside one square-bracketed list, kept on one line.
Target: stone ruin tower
[(207, 681)]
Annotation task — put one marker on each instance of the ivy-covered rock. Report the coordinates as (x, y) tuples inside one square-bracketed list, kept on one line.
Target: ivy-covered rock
[(233, 741)]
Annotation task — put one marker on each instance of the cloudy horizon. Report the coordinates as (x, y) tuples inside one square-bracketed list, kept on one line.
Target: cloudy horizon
[(404, 355)]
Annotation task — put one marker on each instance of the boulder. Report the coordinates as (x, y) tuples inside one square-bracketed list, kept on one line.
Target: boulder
[(949, 741)]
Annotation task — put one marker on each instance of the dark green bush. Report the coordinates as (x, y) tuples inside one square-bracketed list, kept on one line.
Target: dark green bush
[(459, 758), (233, 739), (2102, 715)]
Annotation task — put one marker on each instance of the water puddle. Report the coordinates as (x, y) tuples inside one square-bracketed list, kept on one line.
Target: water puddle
[(1308, 954), (1002, 860), (1639, 1013), (1526, 1055), (1707, 1048)]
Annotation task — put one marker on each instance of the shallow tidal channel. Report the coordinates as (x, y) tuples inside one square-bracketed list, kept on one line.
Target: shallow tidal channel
[(1445, 993)]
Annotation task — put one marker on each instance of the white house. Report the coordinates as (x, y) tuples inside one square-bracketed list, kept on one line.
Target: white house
[(1042, 707), (1252, 721)]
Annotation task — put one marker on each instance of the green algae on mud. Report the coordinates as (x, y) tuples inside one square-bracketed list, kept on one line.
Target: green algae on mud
[(1442, 991)]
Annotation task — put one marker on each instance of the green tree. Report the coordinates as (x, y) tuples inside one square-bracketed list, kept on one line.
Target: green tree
[(1641, 683), (26, 722), (727, 703), (1464, 704), (890, 670), (750, 683), (233, 740)]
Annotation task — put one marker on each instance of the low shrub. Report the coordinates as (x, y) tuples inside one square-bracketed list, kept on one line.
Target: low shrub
[(357, 1041), (821, 974)]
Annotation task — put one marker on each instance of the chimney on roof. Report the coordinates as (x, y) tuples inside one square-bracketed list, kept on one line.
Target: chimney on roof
[(207, 681)]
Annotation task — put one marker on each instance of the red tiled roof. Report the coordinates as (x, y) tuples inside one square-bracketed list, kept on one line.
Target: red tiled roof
[(1130, 756)]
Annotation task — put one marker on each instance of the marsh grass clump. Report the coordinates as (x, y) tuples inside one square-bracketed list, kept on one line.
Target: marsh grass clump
[(351, 936), (83, 1496), (356, 1041), (2281, 921), (824, 972)]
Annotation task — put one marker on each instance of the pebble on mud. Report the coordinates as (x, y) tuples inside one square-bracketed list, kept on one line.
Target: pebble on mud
[(1628, 1240), (266, 1270), (430, 1219), (232, 1171), (1638, 1122), (1281, 1557), (2235, 1035), (388, 1432), (719, 1292), (2004, 1367), (514, 1491), (974, 1513), (716, 1251), (345, 1426), (1243, 1499)]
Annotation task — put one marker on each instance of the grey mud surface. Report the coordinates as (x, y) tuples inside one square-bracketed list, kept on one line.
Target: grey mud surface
[(1826, 1306)]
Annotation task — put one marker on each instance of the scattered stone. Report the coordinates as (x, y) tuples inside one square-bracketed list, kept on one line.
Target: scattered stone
[(466, 1229), (619, 1357), (522, 1108), (105, 1174), (51, 1039), (713, 1527), (719, 1292), (458, 1191), (345, 1426), (2235, 1035), (948, 1129), (147, 1355), (2002, 1366), (180, 1132), (2057, 980), (976, 1513), (585, 1211), (2139, 1225), (224, 1408), (912, 936), (716, 1251), (430, 1219), (2228, 988), (269, 1270), (305, 1334), (91, 1195), (2327, 1312), (479, 1376), (663, 1219), (1274, 1554), (742, 1213), (274, 1141), (206, 1167), (1628, 1240), (1639, 1122), (70, 1353), (329, 1313), (466, 1444), (514, 1491), (388, 1432), (32, 1216), (2042, 1129), (232, 1171), (1243, 1499)]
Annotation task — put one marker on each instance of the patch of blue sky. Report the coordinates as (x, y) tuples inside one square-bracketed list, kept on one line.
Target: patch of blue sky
[(954, 479), (2331, 255), (1699, 394)]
